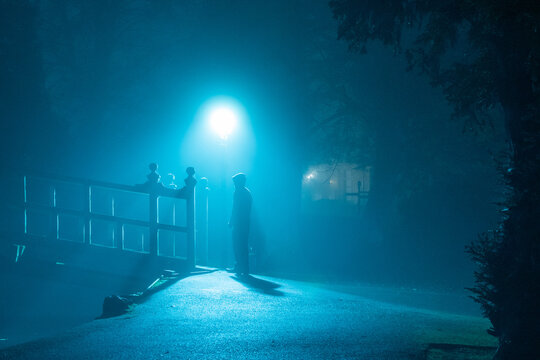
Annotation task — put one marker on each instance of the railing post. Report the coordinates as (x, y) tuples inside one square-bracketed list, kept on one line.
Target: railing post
[(153, 193), (25, 194), (202, 216), (190, 212), (56, 215), (153, 222), (118, 231)]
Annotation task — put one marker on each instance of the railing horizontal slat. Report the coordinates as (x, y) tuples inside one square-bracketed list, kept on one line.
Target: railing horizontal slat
[(118, 219), (140, 188), (172, 228), (111, 218)]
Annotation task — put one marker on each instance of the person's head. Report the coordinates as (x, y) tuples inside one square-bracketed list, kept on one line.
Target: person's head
[(239, 180)]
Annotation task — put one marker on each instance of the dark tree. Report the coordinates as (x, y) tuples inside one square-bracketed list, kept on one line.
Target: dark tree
[(24, 104), (485, 55)]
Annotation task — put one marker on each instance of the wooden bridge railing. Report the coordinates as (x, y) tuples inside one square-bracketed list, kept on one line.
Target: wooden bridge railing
[(62, 200)]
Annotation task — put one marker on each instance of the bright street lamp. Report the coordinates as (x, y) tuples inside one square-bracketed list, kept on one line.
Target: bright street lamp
[(223, 121)]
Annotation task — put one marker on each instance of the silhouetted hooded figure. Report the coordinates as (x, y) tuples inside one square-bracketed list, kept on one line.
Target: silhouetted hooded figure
[(239, 223)]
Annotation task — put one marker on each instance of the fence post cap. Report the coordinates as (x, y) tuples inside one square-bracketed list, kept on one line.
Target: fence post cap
[(153, 177), (190, 180)]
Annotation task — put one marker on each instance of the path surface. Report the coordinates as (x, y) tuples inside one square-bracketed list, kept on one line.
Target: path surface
[(216, 316)]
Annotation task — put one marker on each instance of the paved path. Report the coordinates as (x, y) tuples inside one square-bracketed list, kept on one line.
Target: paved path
[(216, 316)]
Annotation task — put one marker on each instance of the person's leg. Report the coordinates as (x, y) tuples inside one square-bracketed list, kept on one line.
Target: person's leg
[(237, 248), (244, 250)]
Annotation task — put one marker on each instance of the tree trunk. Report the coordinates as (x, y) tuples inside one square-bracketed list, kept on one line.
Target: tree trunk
[(516, 313)]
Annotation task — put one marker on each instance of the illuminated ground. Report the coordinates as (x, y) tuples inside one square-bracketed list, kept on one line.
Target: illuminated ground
[(214, 316)]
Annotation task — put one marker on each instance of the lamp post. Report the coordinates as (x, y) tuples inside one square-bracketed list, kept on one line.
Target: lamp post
[(223, 121)]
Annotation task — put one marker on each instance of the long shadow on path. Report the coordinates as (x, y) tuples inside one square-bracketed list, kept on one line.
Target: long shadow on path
[(259, 285), (118, 305)]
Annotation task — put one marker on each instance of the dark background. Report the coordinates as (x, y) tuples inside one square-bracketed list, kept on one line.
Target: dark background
[(100, 89)]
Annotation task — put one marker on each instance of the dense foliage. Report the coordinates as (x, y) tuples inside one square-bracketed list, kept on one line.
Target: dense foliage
[(484, 54)]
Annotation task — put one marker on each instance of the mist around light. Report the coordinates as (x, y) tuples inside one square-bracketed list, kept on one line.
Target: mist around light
[(220, 132)]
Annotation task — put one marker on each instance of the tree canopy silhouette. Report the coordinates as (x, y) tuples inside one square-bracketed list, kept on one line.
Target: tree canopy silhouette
[(485, 55)]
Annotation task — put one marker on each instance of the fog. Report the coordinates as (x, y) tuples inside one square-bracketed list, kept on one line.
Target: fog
[(99, 90)]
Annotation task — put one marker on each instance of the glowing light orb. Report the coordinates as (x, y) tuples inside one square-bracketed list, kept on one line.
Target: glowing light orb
[(223, 121), (309, 176)]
